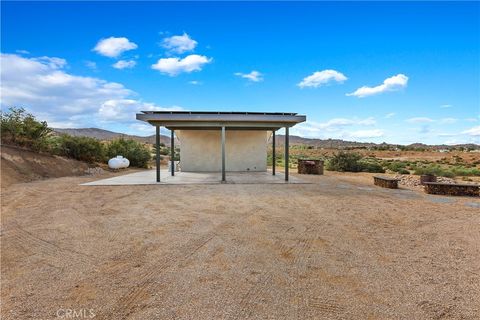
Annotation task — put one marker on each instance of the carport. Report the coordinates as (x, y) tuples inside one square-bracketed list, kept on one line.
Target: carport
[(222, 141)]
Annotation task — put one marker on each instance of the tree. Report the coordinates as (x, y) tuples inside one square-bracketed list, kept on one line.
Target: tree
[(21, 128)]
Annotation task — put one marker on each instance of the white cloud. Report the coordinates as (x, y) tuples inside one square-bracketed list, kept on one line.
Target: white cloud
[(63, 99), (471, 119), (124, 64), (452, 142), (420, 120), (447, 134), (22, 51), (475, 131), (41, 84), (52, 62), (390, 84), (446, 106), (367, 122), (113, 47), (365, 134), (333, 125), (91, 64), (119, 110), (321, 78), (179, 44), (253, 76), (174, 66), (447, 120), (339, 128), (337, 123), (195, 82), (390, 115)]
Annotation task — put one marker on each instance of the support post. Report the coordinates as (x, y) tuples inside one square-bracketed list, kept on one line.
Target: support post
[(287, 146), (223, 154), (172, 152), (157, 150), (274, 159)]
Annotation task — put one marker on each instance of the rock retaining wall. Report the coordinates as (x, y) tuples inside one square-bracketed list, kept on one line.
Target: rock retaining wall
[(386, 182), (452, 189)]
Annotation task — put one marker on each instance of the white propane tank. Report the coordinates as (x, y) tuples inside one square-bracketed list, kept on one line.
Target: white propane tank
[(118, 162)]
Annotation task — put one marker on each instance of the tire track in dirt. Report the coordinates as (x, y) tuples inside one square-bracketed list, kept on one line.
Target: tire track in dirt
[(253, 294), (146, 283), (258, 289), (39, 246), (130, 302), (300, 264), (326, 307)]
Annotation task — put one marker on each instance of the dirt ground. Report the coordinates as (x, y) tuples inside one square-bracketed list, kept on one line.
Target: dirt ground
[(21, 165), (337, 248)]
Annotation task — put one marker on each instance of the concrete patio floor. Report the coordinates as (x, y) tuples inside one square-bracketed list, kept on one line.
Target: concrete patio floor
[(148, 177)]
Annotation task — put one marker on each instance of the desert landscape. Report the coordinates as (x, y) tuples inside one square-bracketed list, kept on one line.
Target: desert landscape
[(335, 247), (210, 160), (330, 246)]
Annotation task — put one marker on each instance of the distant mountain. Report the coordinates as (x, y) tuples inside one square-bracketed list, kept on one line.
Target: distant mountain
[(294, 140), (342, 144), (101, 134)]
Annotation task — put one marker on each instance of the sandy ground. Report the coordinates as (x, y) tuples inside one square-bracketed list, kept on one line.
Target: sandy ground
[(21, 165), (339, 248)]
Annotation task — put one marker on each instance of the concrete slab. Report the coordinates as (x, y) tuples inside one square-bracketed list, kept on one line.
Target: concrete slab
[(148, 177)]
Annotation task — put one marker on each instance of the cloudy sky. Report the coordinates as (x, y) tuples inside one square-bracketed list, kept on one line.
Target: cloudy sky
[(394, 72)]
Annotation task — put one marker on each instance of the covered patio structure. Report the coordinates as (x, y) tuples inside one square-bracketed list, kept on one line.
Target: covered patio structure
[(222, 141)]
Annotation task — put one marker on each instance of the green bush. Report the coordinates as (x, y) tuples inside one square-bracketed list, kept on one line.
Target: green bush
[(464, 172), (396, 166), (353, 162), (80, 148), (434, 170), (135, 152), (344, 161), (22, 129), (371, 167), (403, 171)]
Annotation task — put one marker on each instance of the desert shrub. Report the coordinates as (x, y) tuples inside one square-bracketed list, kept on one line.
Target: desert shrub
[(464, 172), (21, 128), (80, 148), (450, 172), (403, 171), (164, 151), (344, 161), (371, 167), (434, 170), (398, 166), (167, 151), (134, 151)]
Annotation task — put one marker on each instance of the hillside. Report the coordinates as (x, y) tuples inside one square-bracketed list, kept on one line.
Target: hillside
[(21, 165), (101, 134), (294, 140)]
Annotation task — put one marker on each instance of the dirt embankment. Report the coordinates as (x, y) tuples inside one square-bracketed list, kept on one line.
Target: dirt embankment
[(20, 165)]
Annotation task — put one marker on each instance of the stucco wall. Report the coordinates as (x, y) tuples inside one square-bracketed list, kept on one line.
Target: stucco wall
[(200, 150)]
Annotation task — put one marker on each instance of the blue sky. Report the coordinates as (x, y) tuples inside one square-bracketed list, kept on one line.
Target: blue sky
[(394, 72)]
